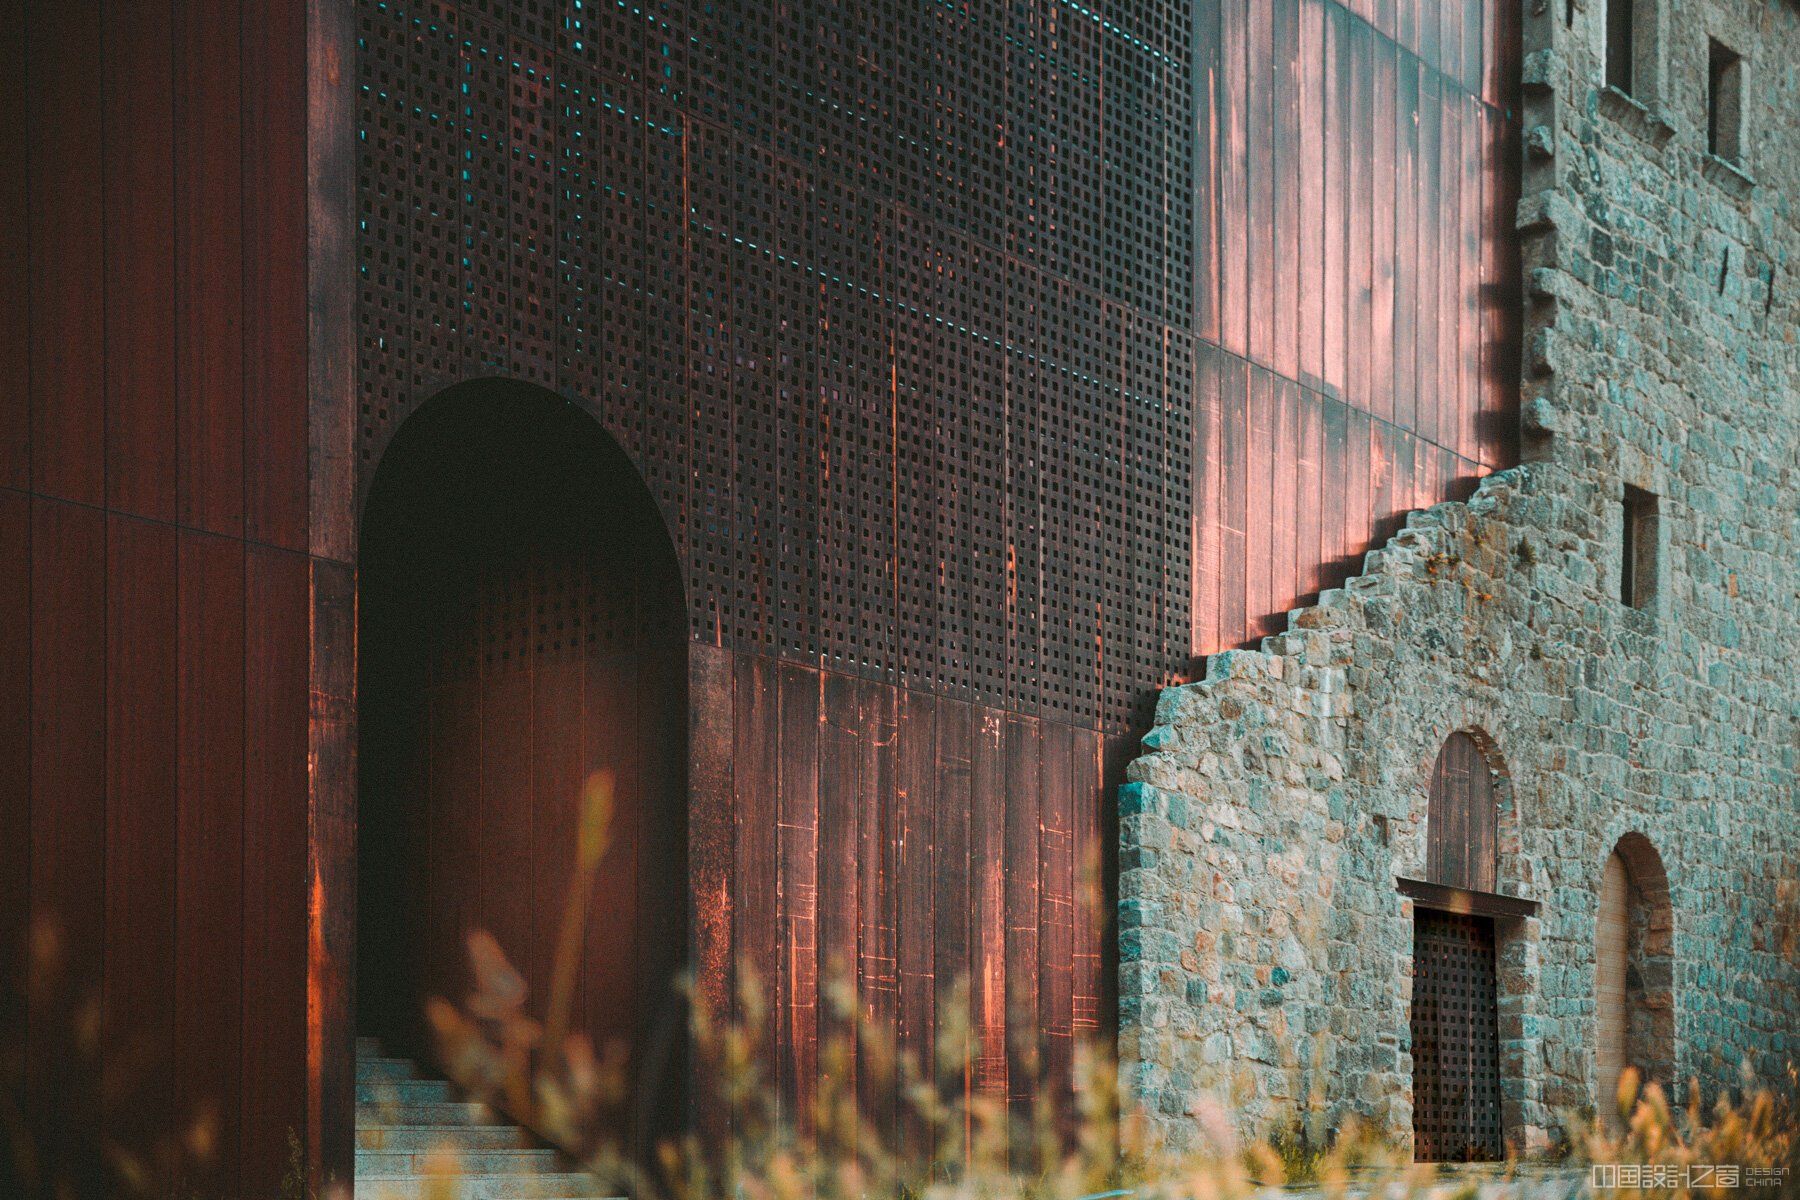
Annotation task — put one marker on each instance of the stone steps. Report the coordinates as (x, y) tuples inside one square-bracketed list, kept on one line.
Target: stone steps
[(416, 1141), (444, 1112), (478, 1162), (563, 1186), (461, 1138), (403, 1091), (375, 1067)]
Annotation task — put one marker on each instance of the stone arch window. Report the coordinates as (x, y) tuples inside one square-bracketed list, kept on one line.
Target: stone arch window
[(1634, 982), (1461, 821)]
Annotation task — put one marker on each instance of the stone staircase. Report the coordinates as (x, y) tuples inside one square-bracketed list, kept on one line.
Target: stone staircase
[(416, 1141)]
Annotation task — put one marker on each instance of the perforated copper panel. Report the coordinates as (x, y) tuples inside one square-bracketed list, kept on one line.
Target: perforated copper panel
[(1456, 1043), (889, 305)]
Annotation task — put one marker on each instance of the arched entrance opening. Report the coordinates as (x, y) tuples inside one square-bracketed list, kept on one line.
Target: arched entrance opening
[(1634, 1000), (521, 626)]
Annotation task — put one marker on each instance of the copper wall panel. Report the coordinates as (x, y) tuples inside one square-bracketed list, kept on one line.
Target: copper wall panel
[(15, 273), (155, 729), (141, 820), (67, 852), (64, 167), (138, 126), (209, 863), (15, 783)]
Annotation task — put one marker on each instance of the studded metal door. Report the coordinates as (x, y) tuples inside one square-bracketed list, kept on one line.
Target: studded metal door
[(1456, 1042)]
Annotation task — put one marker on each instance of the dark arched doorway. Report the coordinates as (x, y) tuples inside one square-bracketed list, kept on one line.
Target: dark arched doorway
[(521, 626)]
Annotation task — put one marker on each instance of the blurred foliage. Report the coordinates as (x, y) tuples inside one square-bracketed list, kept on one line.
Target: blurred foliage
[(880, 1123), (105, 1121), (1758, 1134)]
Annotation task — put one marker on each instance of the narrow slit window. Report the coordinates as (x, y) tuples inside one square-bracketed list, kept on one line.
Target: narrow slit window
[(1621, 36), (1724, 101), (1637, 560)]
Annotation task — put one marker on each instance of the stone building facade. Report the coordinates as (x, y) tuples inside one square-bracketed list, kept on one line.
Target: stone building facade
[(1267, 953)]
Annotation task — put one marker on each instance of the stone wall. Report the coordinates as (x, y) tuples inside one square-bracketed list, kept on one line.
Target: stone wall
[(1265, 953)]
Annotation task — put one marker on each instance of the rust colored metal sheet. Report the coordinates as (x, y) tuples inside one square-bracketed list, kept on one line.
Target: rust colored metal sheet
[(755, 781), (987, 899), (1091, 913), (797, 1014), (1310, 155), (500, 853), (15, 775), (1282, 517), (555, 766), (63, 162), (1261, 520), (1501, 283), (843, 720), (1430, 400), (68, 790), (209, 866), (1450, 250), (1210, 114), (877, 983), (1310, 556), (1022, 893), (1334, 526), (140, 876), (331, 870), (1234, 184), (1335, 94), (1358, 61), (1208, 485), (1235, 501), (1470, 306), (1286, 165), (1258, 85), (275, 830), (1406, 240), (334, 302), (951, 957), (209, 266), (138, 124), (1382, 203), (610, 714), (277, 275), (915, 884), (1059, 804), (15, 272)]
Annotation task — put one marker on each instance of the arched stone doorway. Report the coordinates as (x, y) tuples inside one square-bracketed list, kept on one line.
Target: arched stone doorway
[(521, 626), (1634, 999)]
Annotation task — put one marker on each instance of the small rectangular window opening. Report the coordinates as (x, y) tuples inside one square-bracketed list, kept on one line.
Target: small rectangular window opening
[(1637, 560), (1724, 101), (1621, 35)]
